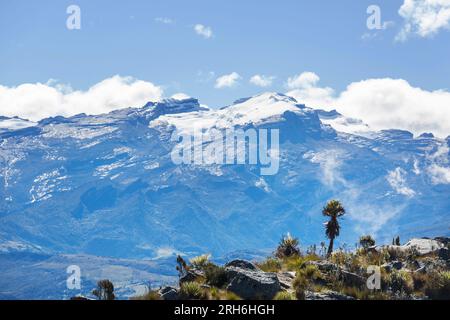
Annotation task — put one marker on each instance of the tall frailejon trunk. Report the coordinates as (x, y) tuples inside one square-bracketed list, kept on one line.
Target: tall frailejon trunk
[(330, 247)]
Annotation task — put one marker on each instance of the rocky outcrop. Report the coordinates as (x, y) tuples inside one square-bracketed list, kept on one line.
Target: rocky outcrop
[(169, 293), (286, 279), (352, 279), (327, 295), (250, 283), (243, 264), (325, 266), (394, 265), (423, 246)]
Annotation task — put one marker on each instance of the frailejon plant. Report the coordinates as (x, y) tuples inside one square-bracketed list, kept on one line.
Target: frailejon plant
[(334, 210)]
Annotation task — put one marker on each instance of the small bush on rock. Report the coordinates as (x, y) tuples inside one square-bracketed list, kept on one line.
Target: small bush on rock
[(192, 291), (284, 295), (288, 247)]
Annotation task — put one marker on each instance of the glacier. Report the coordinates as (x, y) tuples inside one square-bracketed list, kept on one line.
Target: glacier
[(103, 188)]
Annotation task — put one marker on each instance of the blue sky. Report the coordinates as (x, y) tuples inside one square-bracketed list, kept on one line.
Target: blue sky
[(274, 38)]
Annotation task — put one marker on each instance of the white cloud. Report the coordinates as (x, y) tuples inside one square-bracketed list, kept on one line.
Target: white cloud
[(164, 20), (303, 80), (330, 162), (204, 31), (305, 90), (38, 101), (394, 103), (438, 170), (227, 80), (383, 104), (424, 18), (397, 181), (261, 80), (180, 96), (439, 175)]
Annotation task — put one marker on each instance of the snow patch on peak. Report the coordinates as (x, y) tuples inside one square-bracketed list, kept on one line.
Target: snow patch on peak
[(15, 123), (343, 124), (255, 110)]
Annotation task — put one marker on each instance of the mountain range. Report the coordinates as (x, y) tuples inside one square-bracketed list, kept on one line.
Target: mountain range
[(105, 187)]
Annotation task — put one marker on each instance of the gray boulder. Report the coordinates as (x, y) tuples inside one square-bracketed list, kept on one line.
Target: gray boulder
[(394, 265), (352, 279), (243, 264), (423, 246), (190, 276), (168, 293), (328, 295), (286, 279), (252, 284), (325, 266)]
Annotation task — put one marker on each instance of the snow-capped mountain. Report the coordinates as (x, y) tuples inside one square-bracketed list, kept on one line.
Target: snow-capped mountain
[(105, 185)]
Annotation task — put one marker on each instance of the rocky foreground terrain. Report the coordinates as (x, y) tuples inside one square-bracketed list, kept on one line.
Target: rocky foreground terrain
[(419, 269)]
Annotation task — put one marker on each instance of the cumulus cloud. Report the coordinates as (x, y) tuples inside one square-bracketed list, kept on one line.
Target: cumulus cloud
[(424, 18), (261, 80), (304, 88), (38, 101), (204, 31), (303, 80), (382, 104), (227, 80), (394, 103)]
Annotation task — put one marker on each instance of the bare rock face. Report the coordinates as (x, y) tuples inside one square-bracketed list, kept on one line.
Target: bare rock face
[(286, 279), (250, 283), (243, 264), (325, 266), (169, 293), (329, 295), (423, 246), (352, 279)]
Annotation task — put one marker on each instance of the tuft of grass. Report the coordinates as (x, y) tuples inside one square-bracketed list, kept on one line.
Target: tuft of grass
[(438, 285), (215, 275), (400, 282), (151, 295), (192, 291), (218, 294), (270, 265), (284, 295), (200, 262)]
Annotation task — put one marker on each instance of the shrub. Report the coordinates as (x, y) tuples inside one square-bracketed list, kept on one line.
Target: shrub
[(438, 285), (192, 291), (419, 280), (200, 262), (400, 282), (284, 295), (339, 258), (215, 275), (150, 295), (300, 286), (294, 263), (105, 290), (231, 296), (270, 265), (366, 241), (287, 247)]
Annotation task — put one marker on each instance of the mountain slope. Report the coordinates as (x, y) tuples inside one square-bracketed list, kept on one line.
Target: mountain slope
[(105, 185)]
